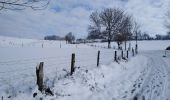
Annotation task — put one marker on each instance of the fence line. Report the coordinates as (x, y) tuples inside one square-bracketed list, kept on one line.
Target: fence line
[(54, 58), (96, 60)]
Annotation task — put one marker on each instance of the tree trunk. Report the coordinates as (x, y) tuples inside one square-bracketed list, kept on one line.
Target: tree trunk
[(129, 46), (109, 41), (136, 46), (118, 44), (109, 38)]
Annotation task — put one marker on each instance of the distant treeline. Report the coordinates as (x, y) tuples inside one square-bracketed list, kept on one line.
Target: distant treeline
[(53, 37), (163, 37), (146, 36), (69, 37)]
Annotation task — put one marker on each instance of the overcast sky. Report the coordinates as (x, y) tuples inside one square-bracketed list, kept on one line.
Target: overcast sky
[(63, 16)]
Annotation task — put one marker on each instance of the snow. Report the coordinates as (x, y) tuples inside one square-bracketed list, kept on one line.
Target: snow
[(110, 81)]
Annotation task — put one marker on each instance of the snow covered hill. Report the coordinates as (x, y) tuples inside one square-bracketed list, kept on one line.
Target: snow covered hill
[(146, 76)]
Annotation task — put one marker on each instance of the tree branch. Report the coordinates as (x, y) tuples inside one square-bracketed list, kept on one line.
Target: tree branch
[(19, 5)]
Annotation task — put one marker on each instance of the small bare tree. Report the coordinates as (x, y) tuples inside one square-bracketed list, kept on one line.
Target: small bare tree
[(126, 29), (69, 37), (119, 39), (23, 4), (136, 33)]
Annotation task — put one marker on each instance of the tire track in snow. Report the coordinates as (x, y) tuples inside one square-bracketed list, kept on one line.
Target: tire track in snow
[(152, 84)]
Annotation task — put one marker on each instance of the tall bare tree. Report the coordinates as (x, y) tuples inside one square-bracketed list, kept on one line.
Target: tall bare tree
[(112, 24), (23, 4), (106, 23), (111, 21)]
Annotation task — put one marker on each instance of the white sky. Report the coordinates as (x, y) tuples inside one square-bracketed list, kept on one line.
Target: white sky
[(63, 16)]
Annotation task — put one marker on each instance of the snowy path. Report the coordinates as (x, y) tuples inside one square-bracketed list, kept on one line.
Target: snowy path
[(154, 81)]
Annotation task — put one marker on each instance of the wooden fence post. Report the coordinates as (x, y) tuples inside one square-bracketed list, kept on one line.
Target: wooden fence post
[(136, 49), (115, 56), (135, 98), (122, 53), (133, 53), (42, 45), (127, 55), (72, 63), (40, 75), (98, 58)]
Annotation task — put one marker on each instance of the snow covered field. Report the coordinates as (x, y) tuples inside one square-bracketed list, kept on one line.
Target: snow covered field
[(146, 75)]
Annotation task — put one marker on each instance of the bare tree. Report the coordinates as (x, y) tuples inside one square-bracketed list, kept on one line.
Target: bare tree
[(136, 30), (126, 29), (106, 23), (69, 37), (23, 4), (94, 29), (112, 24), (111, 21), (136, 33), (119, 39)]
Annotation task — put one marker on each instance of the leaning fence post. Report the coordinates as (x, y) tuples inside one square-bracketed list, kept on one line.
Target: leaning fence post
[(40, 75), (98, 58), (133, 52), (72, 63), (115, 56), (127, 55)]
